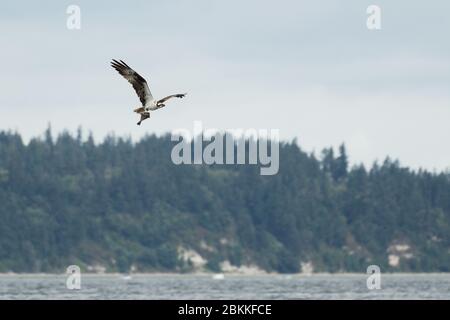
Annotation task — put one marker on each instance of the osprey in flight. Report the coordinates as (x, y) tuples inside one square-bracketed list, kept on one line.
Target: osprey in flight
[(140, 86)]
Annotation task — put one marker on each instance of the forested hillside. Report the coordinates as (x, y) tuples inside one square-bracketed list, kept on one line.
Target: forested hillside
[(122, 205)]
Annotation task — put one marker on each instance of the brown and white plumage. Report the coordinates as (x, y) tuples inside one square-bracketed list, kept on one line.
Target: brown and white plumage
[(179, 95), (143, 91)]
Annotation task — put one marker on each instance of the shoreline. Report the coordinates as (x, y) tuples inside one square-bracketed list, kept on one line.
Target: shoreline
[(210, 274)]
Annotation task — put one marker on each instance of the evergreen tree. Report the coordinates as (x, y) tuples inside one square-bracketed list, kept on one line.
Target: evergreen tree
[(67, 200)]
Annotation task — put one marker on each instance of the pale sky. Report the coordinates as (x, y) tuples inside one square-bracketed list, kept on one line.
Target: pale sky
[(311, 69)]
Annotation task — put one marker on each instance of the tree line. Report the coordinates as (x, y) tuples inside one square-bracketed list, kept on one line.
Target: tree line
[(68, 200)]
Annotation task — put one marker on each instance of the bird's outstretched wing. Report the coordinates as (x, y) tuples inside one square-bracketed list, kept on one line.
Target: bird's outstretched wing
[(178, 95), (139, 84)]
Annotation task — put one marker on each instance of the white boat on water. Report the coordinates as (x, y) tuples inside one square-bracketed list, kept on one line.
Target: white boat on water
[(218, 276)]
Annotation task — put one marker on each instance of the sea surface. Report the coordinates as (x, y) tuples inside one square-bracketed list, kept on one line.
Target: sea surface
[(175, 286)]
